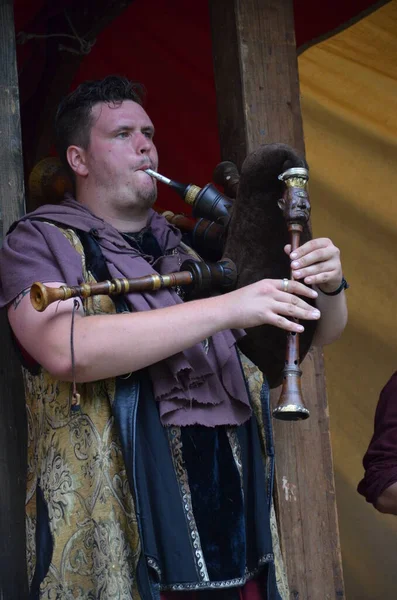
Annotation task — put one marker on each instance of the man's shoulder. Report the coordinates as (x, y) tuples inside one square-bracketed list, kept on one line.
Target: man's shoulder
[(37, 230)]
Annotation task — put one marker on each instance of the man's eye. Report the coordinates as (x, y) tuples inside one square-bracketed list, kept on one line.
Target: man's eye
[(148, 134), (123, 134)]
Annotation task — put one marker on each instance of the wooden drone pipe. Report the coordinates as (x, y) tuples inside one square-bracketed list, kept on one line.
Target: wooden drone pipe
[(204, 277)]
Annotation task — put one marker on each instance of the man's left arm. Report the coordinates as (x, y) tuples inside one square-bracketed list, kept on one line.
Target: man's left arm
[(317, 263)]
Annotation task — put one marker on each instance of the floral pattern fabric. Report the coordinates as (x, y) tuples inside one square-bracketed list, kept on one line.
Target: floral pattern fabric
[(76, 459)]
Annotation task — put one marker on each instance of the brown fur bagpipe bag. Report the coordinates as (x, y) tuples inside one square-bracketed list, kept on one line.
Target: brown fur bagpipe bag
[(255, 238)]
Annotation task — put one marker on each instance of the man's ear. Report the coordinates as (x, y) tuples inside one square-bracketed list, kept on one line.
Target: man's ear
[(76, 158)]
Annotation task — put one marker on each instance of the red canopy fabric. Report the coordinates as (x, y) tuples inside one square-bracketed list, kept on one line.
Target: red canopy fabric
[(167, 47)]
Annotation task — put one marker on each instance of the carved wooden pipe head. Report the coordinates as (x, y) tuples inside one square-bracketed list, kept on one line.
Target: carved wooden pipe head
[(295, 204)]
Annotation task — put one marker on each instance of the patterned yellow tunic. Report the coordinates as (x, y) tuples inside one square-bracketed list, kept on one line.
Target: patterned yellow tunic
[(76, 459)]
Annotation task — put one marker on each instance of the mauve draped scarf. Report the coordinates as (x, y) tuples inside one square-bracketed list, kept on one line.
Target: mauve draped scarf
[(191, 387)]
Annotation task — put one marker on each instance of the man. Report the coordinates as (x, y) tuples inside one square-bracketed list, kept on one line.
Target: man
[(145, 467), (379, 484)]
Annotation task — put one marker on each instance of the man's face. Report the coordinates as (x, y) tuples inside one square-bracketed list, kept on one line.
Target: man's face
[(120, 148)]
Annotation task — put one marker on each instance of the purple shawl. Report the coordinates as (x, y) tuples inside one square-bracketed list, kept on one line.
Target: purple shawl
[(380, 460), (191, 387)]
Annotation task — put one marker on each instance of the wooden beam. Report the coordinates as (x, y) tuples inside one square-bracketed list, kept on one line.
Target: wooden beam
[(256, 78), (13, 582)]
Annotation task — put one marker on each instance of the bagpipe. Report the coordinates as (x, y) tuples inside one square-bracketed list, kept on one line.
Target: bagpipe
[(241, 235)]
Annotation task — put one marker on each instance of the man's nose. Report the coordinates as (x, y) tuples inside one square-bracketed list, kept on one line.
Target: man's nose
[(144, 144)]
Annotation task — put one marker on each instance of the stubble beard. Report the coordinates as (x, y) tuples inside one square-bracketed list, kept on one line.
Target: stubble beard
[(143, 197), (147, 198), (139, 200)]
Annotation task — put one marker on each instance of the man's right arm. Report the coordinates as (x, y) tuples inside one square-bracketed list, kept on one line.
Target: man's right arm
[(114, 344)]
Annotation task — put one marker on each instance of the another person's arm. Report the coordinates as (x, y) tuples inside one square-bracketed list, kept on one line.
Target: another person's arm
[(387, 501), (379, 484)]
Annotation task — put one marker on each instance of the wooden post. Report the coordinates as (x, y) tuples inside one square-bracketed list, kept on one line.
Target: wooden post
[(12, 405), (257, 85)]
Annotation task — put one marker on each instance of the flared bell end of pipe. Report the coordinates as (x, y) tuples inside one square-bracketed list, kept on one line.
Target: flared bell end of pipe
[(39, 296), (291, 413)]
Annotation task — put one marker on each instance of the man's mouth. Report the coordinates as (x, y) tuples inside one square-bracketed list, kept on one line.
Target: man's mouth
[(145, 166)]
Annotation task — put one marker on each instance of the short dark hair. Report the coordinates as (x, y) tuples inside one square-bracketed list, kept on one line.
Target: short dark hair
[(73, 120)]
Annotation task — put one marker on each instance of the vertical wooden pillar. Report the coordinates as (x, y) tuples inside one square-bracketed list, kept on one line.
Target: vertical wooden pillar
[(12, 404), (257, 84)]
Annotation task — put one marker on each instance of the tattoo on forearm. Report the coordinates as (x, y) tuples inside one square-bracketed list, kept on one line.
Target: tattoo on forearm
[(19, 298)]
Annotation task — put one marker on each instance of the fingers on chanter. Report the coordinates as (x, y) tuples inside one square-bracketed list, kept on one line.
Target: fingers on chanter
[(318, 274), (292, 300), (287, 324), (295, 287), (313, 270), (312, 245), (315, 251), (300, 311)]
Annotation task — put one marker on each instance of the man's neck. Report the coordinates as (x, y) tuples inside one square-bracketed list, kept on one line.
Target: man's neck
[(128, 224), (130, 221)]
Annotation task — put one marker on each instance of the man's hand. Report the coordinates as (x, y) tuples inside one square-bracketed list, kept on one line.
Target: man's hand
[(317, 263), (271, 302)]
